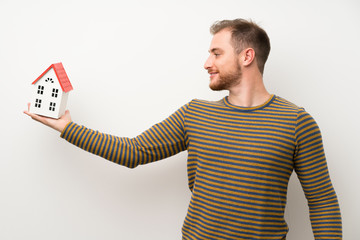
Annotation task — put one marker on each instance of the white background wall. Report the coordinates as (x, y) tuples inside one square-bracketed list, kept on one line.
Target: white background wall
[(132, 63)]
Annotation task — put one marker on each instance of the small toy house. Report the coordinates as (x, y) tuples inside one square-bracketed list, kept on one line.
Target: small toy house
[(50, 92)]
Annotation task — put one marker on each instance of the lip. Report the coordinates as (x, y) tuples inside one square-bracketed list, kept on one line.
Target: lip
[(213, 74)]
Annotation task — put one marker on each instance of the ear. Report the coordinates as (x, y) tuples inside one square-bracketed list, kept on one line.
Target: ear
[(247, 56)]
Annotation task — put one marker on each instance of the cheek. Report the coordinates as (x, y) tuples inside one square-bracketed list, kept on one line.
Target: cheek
[(225, 63), (220, 65)]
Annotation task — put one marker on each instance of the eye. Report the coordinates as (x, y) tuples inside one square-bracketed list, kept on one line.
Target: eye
[(217, 54)]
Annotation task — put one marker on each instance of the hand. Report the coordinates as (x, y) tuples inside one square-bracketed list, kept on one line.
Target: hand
[(57, 124)]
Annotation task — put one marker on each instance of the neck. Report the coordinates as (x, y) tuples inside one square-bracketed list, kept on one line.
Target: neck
[(250, 92)]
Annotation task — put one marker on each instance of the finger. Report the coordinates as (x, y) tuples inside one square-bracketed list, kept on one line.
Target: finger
[(28, 107), (66, 116), (35, 117), (28, 113), (67, 113)]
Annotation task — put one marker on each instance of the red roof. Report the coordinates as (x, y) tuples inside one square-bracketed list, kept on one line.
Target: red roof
[(61, 76)]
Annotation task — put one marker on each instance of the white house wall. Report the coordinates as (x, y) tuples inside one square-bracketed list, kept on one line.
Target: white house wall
[(47, 106), (63, 103)]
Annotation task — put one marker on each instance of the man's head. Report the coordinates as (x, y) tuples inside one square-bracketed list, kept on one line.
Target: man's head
[(246, 34)]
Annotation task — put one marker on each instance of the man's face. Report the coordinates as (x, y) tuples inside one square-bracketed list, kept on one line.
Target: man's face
[(222, 64)]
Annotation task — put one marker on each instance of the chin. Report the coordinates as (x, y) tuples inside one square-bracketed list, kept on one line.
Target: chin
[(216, 87)]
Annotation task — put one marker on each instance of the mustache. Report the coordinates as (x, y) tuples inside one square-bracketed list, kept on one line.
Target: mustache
[(212, 71)]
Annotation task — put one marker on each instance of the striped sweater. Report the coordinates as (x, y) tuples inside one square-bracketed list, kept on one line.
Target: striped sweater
[(239, 164)]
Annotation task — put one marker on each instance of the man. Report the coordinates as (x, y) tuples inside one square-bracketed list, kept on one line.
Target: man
[(242, 149)]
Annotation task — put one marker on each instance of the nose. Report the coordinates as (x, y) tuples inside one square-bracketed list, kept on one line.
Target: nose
[(208, 63)]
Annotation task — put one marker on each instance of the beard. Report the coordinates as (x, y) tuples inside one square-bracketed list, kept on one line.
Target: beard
[(227, 80)]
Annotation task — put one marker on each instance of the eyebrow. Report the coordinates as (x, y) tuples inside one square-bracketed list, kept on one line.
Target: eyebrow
[(214, 49)]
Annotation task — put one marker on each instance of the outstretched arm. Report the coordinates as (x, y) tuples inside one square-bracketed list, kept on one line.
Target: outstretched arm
[(57, 124), (160, 141)]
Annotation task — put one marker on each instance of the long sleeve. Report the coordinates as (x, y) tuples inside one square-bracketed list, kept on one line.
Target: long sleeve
[(160, 141), (311, 168)]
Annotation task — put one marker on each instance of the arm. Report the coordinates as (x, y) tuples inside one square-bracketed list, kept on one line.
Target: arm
[(311, 168), (160, 141)]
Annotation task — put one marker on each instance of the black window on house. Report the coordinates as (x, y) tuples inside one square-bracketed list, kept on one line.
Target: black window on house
[(52, 106), (38, 103), (40, 89), (55, 92)]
